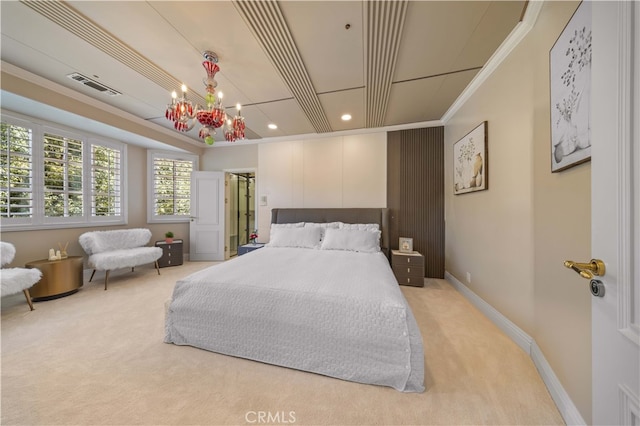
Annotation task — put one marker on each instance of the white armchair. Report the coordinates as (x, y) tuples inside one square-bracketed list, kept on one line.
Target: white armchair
[(14, 280)]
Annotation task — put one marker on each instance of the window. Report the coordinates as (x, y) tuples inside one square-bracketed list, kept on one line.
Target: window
[(63, 195), (52, 177), (16, 173), (106, 196), (170, 186)]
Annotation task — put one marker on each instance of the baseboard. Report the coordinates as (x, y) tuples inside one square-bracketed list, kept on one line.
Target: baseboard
[(516, 334), (560, 397), (565, 405)]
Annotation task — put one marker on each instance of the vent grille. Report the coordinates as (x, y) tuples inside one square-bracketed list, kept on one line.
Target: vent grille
[(384, 21), (83, 79), (68, 18), (266, 21)]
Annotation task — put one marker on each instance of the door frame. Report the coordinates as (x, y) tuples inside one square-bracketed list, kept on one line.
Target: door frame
[(253, 170)]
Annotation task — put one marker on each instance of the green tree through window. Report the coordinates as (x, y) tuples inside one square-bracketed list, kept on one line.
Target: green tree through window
[(62, 176), (15, 172), (172, 186), (105, 181), (52, 177)]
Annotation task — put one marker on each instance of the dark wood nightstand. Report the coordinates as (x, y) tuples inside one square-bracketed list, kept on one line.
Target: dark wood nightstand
[(171, 253), (408, 268)]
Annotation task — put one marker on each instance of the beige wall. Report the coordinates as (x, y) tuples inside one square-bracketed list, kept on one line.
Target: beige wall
[(347, 171), (34, 245), (513, 237)]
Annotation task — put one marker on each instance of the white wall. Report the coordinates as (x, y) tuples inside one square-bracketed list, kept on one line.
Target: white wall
[(240, 156), (349, 171)]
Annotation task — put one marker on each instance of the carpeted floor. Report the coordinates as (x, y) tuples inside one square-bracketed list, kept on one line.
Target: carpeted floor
[(97, 358)]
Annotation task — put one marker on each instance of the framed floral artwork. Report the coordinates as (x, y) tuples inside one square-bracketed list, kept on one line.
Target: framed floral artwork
[(470, 161), (570, 86)]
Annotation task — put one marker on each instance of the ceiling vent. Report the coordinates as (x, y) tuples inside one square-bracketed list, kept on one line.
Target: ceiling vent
[(93, 84)]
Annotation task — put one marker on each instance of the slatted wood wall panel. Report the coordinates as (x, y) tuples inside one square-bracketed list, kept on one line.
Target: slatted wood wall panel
[(415, 192)]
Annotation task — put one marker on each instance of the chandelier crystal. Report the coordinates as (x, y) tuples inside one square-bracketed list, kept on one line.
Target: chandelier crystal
[(185, 114)]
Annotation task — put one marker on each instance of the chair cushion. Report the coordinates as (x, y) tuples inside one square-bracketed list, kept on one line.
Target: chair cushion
[(7, 252), (126, 258), (14, 280), (103, 241)]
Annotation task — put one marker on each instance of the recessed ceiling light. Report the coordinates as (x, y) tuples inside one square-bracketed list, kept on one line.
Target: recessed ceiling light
[(346, 117), (272, 126)]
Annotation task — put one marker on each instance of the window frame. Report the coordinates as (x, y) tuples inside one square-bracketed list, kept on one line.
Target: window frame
[(38, 220), (23, 221), (152, 155)]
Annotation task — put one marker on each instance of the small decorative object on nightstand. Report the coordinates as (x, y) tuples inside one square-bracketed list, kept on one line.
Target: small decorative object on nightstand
[(249, 247), (253, 238), (406, 245), (408, 267), (171, 253)]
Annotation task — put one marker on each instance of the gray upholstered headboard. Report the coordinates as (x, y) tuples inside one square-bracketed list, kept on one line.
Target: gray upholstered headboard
[(348, 215)]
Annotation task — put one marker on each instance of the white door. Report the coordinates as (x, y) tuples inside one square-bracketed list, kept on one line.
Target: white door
[(207, 226), (615, 214)]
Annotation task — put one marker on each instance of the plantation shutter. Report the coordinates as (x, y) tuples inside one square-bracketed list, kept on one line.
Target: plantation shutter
[(62, 176), (16, 179), (172, 186), (106, 193)]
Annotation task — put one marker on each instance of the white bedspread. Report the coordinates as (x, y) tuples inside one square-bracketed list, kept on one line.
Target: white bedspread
[(336, 313)]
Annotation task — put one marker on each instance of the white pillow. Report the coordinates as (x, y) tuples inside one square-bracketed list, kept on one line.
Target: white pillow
[(323, 226), (360, 226), (367, 241), (287, 225), (295, 237)]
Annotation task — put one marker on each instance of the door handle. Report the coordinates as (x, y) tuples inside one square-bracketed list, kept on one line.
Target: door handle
[(587, 270)]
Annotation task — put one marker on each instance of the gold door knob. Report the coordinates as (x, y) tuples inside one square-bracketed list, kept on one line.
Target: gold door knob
[(587, 270)]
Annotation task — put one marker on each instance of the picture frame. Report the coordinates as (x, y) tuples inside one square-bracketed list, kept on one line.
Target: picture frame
[(470, 161), (570, 92), (405, 245)]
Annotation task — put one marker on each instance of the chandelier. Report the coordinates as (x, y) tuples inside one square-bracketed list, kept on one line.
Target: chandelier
[(185, 114)]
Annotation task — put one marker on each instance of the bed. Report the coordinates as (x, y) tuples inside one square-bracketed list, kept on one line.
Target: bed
[(322, 309)]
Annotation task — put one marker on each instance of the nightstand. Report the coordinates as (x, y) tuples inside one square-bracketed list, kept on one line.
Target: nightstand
[(408, 268), (171, 253), (249, 247)]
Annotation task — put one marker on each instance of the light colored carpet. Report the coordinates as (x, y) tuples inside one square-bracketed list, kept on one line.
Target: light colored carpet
[(97, 358)]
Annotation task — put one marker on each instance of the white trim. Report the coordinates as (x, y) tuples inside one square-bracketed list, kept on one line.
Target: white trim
[(563, 401), (566, 407), (514, 38), (624, 139), (629, 405)]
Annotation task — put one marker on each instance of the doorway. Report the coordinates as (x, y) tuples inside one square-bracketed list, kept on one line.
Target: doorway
[(242, 215)]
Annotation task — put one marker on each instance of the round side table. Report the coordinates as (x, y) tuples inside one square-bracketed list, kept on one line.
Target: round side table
[(59, 278)]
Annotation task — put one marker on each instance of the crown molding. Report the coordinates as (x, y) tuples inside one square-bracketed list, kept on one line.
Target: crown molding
[(515, 37)]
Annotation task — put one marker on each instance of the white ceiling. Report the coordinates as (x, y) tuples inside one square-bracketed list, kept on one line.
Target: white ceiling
[(292, 63)]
